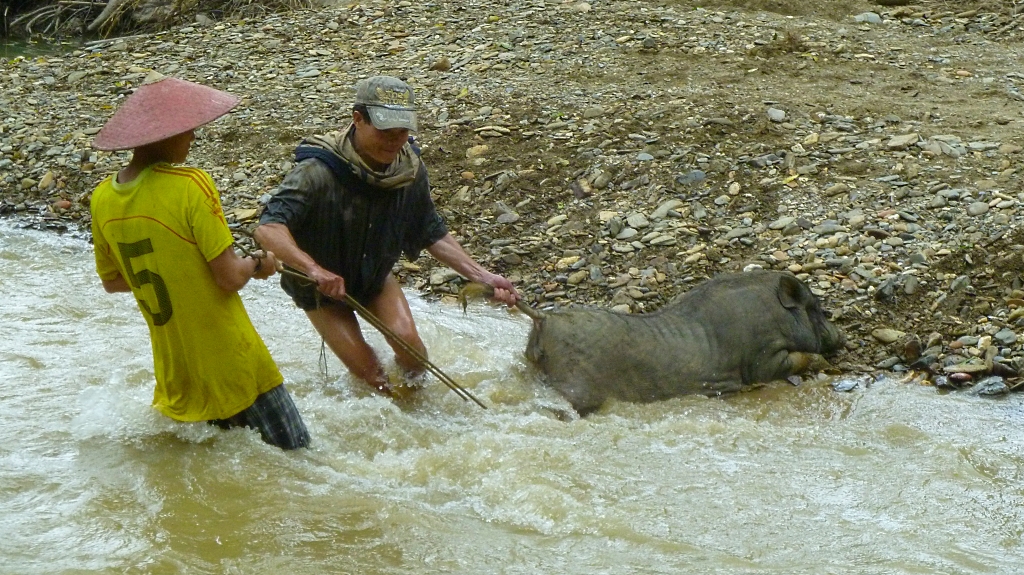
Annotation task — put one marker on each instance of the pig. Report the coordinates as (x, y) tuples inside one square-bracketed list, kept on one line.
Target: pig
[(722, 336)]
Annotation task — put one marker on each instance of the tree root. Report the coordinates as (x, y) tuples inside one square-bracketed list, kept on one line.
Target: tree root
[(79, 17), (52, 19), (106, 14)]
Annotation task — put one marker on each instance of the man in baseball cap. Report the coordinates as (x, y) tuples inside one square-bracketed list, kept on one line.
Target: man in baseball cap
[(159, 232), (388, 101), (354, 202)]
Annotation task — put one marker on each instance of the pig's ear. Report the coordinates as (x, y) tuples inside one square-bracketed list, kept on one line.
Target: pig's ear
[(791, 292)]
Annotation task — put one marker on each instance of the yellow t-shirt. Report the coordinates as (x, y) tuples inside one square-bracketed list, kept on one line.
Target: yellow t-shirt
[(158, 232)]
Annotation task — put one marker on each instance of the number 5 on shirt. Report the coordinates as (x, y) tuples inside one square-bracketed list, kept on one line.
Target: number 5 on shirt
[(142, 277)]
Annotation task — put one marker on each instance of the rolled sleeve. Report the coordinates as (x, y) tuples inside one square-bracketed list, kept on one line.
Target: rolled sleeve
[(426, 226), (291, 202)]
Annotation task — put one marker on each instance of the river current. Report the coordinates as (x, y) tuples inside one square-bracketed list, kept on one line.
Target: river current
[(889, 478)]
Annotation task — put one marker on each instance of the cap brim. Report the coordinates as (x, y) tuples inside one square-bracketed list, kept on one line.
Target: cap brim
[(385, 118), (160, 110)]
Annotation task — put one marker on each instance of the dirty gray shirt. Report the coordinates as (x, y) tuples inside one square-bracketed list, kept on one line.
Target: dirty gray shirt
[(351, 228)]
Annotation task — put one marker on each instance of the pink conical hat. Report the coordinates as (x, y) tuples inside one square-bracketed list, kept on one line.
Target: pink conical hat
[(159, 110)]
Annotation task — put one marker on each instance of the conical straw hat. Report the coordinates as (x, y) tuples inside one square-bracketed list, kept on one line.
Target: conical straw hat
[(161, 109)]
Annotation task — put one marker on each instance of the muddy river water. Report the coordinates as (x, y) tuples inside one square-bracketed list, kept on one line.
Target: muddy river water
[(891, 478)]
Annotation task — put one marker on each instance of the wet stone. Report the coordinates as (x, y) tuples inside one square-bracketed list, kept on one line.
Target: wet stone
[(977, 208), (691, 178), (868, 18), (887, 335), (1005, 337), (845, 384), (828, 229), (637, 221), (990, 386)]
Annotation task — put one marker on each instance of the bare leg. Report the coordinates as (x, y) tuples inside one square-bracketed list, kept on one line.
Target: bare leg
[(340, 329), (392, 309)]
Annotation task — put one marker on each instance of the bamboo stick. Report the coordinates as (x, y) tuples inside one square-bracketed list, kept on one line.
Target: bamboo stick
[(375, 322)]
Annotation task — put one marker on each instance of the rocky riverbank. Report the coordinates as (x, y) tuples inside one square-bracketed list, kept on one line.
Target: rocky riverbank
[(616, 152)]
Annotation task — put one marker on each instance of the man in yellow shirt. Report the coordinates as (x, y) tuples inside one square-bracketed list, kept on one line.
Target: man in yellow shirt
[(160, 233)]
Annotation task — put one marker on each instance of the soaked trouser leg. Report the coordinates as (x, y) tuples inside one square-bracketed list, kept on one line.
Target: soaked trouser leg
[(275, 416)]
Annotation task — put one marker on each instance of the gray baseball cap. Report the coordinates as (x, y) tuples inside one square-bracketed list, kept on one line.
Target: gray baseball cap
[(389, 101)]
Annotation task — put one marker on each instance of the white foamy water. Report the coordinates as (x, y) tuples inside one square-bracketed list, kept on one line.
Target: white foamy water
[(891, 479)]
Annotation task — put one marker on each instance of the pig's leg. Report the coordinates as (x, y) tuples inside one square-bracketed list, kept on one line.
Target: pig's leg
[(783, 364), (797, 362), (582, 398), (713, 388)]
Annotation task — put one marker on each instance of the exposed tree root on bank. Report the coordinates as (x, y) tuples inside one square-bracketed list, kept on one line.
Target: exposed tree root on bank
[(51, 19)]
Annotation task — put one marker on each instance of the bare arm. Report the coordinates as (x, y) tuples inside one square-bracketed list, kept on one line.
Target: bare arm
[(232, 272), (116, 285), (448, 251), (278, 239)]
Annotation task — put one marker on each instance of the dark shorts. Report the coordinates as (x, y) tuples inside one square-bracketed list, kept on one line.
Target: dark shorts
[(274, 415), (308, 298), (311, 299)]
